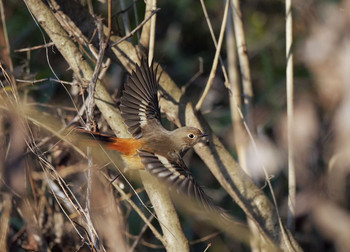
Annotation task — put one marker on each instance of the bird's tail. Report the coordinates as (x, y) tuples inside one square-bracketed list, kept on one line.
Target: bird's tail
[(126, 146), (96, 136)]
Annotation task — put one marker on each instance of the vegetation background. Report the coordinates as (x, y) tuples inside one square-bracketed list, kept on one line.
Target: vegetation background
[(46, 202)]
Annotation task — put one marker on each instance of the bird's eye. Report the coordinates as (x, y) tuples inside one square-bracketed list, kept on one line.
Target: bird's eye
[(191, 136)]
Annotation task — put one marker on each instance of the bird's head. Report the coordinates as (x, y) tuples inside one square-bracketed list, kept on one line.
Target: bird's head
[(187, 137)]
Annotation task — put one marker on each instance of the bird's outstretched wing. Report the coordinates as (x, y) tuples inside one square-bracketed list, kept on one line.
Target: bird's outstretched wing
[(139, 103), (176, 174)]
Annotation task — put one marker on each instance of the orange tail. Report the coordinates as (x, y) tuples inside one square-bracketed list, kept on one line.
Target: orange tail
[(126, 146)]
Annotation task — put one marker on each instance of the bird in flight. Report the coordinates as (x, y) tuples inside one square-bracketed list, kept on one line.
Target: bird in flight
[(153, 147)]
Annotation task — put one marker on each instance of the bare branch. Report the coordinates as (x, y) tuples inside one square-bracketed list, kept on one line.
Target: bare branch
[(290, 103), (243, 60)]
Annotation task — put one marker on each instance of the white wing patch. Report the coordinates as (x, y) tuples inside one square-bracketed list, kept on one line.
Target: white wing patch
[(169, 166), (143, 118), (142, 113)]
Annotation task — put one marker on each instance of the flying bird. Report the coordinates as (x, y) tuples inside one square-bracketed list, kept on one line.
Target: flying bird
[(154, 148)]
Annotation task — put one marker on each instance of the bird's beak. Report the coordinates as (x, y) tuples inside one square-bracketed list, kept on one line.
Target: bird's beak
[(204, 135)]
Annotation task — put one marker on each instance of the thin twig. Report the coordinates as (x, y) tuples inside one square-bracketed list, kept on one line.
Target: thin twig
[(205, 238), (91, 91), (145, 243), (79, 114), (47, 79), (216, 59), (194, 77), (136, 28), (208, 246), (104, 69), (143, 230), (33, 81), (289, 88), (215, 43), (28, 49)]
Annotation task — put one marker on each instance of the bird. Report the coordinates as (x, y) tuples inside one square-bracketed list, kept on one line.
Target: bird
[(152, 147)]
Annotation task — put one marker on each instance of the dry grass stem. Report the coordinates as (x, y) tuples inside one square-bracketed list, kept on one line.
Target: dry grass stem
[(5, 220), (290, 105)]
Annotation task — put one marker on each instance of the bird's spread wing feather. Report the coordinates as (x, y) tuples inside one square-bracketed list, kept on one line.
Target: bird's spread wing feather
[(175, 173), (139, 103)]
